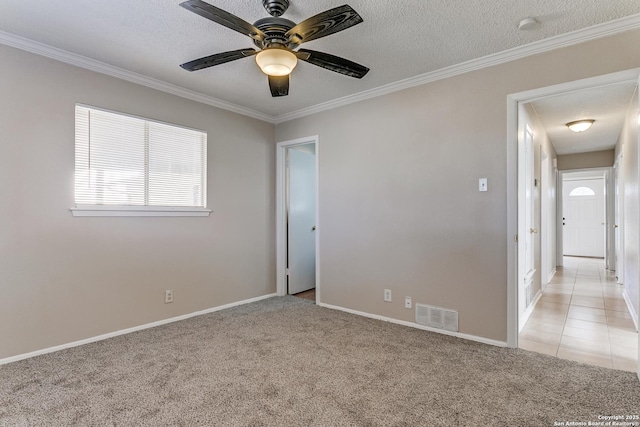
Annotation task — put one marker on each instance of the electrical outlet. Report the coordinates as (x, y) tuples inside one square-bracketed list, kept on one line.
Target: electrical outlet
[(387, 295), (407, 302), (168, 296)]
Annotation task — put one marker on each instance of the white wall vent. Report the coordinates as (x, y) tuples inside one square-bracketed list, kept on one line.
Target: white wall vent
[(436, 317), (529, 295)]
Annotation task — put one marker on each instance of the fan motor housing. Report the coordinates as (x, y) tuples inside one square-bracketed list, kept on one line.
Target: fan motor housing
[(275, 29)]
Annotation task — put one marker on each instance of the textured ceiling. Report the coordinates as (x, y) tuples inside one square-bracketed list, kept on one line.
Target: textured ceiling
[(607, 105), (397, 40)]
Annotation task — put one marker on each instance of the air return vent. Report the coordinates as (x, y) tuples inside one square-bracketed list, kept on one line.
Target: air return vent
[(436, 317), (529, 295)]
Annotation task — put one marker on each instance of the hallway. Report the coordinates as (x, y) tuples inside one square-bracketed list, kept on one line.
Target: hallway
[(582, 316)]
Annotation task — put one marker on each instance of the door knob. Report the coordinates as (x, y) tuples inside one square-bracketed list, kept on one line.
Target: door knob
[(615, 226), (313, 228), (533, 230)]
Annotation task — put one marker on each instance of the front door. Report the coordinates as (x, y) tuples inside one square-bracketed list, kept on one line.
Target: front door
[(584, 218)]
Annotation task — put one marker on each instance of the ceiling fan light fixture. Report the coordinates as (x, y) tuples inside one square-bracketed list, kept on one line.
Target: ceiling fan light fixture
[(580, 125), (276, 61), (277, 37)]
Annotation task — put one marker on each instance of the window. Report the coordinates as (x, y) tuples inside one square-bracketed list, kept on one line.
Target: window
[(132, 166), (582, 191)]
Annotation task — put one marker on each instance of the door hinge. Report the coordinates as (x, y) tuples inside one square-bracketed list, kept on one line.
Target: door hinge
[(515, 238), (287, 271)]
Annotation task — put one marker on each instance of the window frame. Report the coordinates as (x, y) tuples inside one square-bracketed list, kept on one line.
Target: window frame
[(83, 210)]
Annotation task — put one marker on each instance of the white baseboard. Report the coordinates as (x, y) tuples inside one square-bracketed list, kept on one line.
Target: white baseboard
[(527, 313), (551, 274), (129, 330), (417, 326), (632, 310)]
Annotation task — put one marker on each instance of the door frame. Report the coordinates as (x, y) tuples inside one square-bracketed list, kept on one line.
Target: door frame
[(281, 213), (513, 102), (618, 216)]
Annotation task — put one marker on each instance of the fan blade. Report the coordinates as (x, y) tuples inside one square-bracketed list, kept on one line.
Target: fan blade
[(217, 59), (225, 18), (279, 85), (333, 63), (324, 24)]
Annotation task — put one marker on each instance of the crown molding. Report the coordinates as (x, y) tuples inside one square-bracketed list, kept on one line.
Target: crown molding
[(563, 40), (120, 73)]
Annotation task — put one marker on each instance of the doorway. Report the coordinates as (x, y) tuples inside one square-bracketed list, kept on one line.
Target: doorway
[(301, 218), (517, 241), (297, 218)]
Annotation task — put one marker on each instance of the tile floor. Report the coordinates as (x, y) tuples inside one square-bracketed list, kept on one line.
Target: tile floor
[(582, 316)]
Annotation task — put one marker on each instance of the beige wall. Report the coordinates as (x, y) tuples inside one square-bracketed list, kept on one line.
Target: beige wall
[(399, 201), (628, 147), (399, 206), (65, 278), (593, 159)]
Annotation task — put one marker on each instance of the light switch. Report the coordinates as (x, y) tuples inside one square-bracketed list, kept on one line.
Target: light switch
[(482, 184)]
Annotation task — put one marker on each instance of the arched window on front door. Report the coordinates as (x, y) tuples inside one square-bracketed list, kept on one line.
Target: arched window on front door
[(582, 191)]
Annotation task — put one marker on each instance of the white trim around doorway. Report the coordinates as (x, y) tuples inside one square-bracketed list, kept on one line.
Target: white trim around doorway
[(281, 213), (513, 100)]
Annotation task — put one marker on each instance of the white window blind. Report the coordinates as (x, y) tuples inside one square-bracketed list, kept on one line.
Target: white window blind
[(128, 161)]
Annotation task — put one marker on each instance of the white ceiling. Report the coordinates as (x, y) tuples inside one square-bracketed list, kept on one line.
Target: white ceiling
[(607, 105), (397, 40)]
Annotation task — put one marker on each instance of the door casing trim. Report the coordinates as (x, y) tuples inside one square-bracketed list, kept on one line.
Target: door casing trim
[(513, 101), (281, 213)]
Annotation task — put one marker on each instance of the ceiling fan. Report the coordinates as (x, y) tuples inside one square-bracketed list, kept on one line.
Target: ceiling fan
[(277, 38)]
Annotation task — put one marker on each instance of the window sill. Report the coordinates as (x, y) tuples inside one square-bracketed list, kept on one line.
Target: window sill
[(138, 211)]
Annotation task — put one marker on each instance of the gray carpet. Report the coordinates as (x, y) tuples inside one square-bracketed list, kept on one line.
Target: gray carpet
[(286, 362)]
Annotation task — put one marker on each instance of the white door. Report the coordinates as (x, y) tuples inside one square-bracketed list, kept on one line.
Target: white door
[(529, 215), (584, 218), (526, 226), (301, 252)]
